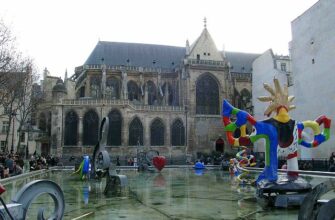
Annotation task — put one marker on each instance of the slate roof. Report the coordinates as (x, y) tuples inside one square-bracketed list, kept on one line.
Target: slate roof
[(117, 53), (241, 62), (59, 87)]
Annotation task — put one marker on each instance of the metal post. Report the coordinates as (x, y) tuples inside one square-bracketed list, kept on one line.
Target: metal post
[(12, 147), (186, 139)]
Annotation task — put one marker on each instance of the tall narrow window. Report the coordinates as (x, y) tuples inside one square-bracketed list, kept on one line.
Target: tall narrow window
[(151, 93), (283, 67), (5, 127), (135, 132), (114, 133), (71, 128), (112, 88), (42, 122), (95, 82), (168, 93), (132, 91), (207, 96), (178, 133), (245, 99), (157, 133), (90, 128)]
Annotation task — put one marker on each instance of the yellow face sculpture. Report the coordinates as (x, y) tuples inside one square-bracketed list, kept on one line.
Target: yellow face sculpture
[(279, 100)]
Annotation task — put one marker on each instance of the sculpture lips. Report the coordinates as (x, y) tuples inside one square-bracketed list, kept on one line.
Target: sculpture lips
[(159, 162)]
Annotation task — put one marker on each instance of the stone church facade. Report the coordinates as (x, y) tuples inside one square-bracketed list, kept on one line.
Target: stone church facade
[(160, 97)]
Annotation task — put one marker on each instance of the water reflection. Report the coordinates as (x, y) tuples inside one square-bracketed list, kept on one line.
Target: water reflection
[(159, 180), (170, 194)]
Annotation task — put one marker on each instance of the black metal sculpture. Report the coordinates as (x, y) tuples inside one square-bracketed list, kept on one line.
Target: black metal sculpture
[(22, 200), (101, 164), (313, 208)]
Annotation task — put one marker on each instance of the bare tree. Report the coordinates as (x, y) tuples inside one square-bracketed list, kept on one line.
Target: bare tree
[(16, 77), (26, 101)]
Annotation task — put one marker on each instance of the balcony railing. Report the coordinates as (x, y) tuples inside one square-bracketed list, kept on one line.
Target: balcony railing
[(206, 62), (120, 102), (124, 68)]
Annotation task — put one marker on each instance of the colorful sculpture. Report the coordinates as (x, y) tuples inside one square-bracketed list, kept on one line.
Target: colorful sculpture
[(280, 131), (84, 168), (159, 162), (237, 166)]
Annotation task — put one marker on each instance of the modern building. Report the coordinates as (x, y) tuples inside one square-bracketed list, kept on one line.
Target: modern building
[(312, 52), (265, 68), (161, 97)]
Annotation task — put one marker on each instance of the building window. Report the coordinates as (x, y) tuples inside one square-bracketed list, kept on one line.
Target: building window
[(3, 145), (207, 96), (135, 132), (151, 93), (157, 133), (95, 83), (71, 128), (42, 122), (5, 127), (90, 128), (168, 93), (133, 91), (283, 67), (178, 133), (22, 137), (114, 131), (112, 88)]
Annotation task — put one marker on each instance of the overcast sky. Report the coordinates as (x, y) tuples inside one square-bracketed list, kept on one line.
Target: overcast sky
[(61, 34)]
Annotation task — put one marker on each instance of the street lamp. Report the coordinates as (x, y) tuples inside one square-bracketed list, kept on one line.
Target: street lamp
[(13, 116), (27, 146)]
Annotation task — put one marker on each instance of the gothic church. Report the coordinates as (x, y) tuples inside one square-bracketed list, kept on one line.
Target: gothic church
[(160, 97)]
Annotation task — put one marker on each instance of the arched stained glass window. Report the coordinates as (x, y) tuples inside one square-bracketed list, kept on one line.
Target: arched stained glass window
[(157, 133), (178, 133), (71, 128), (112, 88), (135, 132), (90, 128), (95, 85), (114, 131), (207, 96), (245, 99), (152, 93), (132, 90), (168, 93)]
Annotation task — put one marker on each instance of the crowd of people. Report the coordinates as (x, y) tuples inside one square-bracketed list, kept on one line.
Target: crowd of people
[(12, 164)]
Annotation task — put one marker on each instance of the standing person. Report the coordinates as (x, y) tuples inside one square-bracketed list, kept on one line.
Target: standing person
[(332, 162), (9, 163), (118, 161)]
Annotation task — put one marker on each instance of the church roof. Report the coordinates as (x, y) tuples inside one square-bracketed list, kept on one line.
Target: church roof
[(241, 62), (144, 55), (59, 87), (167, 57)]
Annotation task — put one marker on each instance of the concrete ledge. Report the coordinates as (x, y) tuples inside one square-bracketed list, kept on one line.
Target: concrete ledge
[(23, 175), (303, 172)]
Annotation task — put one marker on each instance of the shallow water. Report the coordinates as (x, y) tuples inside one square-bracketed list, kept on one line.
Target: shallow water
[(175, 193)]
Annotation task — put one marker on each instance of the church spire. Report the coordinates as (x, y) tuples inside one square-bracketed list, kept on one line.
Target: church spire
[(205, 22), (65, 76)]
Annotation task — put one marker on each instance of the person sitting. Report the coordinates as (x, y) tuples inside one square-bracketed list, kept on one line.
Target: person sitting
[(17, 169), (6, 172), (284, 167)]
